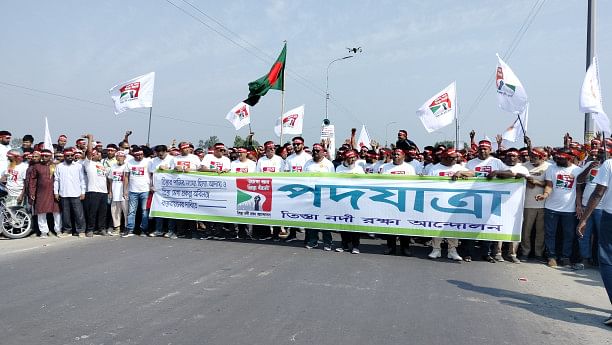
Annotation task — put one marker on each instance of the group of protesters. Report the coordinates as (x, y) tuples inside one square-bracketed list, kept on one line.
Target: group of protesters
[(79, 186)]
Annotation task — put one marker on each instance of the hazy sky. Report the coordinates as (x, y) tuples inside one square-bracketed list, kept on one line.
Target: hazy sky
[(411, 50)]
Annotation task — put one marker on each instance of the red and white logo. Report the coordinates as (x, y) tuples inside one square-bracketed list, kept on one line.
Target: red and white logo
[(129, 92)]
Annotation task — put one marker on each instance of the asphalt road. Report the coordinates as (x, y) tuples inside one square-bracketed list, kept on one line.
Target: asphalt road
[(159, 291)]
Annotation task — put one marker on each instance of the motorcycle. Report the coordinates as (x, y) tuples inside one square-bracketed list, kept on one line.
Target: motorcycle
[(15, 221)]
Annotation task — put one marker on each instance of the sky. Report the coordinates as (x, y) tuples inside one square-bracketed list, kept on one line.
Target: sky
[(78, 50)]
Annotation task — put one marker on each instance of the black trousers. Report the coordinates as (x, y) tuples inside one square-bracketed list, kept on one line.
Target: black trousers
[(392, 242), (70, 207), (95, 209), (350, 237)]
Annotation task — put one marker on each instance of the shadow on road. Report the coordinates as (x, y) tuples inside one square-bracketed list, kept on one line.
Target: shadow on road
[(548, 307)]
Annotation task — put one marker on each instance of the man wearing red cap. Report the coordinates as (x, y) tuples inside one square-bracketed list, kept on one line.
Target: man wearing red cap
[(348, 166), (96, 197), (318, 164), (269, 162), (119, 205), (560, 206), (69, 188), (533, 213), (40, 192), (81, 144), (447, 167), (398, 166), (136, 187), (217, 161), (296, 161), (242, 164)]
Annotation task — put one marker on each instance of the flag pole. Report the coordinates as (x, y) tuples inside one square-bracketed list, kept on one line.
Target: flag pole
[(149, 131), (521, 123), (282, 102), (456, 122)]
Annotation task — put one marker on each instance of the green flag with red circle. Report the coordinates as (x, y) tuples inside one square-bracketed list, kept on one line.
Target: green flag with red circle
[(275, 79)]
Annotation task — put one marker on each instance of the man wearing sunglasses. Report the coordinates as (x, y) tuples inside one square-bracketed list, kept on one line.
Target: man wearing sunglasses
[(318, 164), (295, 163)]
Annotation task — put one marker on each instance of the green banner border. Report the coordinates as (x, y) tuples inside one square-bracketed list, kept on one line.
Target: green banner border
[(343, 227)]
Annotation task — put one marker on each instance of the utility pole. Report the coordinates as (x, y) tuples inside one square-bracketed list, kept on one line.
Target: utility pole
[(589, 125)]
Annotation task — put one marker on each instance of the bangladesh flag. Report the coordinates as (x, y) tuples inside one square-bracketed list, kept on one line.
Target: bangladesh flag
[(275, 79)]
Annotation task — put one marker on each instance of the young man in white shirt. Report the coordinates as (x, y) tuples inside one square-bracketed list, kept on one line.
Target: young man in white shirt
[(14, 177), (602, 194), (447, 167), (136, 187), (348, 166), (119, 205), (96, 197), (163, 161), (5, 147), (69, 189), (242, 164), (269, 162), (560, 206), (514, 164), (295, 163), (216, 162), (318, 164), (398, 166), (533, 213)]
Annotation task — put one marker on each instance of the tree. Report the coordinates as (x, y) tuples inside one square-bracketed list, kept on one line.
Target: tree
[(240, 142), (210, 142), (447, 143)]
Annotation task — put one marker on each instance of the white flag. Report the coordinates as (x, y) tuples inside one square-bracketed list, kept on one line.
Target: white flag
[(514, 133), (293, 122), (239, 116), (364, 138), (511, 95), (48, 143), (590, 97), (134, 93), (440, 110)]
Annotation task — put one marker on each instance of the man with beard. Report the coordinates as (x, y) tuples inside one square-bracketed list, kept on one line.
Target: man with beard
[(269, 163), (295, 163), (560, 206), (398, 167), (40, 193), (61, 143), (5, 147), (319, 164), (348, 166), (219, 163), (403, 142), (533, 213), (136, 187), (69, 189)]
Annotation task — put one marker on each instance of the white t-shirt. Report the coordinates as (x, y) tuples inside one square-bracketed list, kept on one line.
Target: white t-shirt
[(482, 168), (15, 179), (189, 162), (156, 162), (295, 163), (115, 174), (96, 176), (537, 173), (589, 187), (402, 169), (4, 149), (361, 163), (370, 168), (519, 169), (440, 169), (269, 165), (417, 165), (139, 181), (378, 167), (248, 166), (604, 178), (563, 195), (355, 169), (325, 165), (212, 162)]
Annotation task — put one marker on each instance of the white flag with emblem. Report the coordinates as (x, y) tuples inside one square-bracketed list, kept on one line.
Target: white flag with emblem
[(515, 133), (440, 110), (590, 97), (134, 93), (239, 116), (293, 122), (511, 95), (364, 138)]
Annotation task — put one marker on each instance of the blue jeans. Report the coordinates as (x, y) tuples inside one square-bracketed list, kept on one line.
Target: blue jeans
[(568, 224), (592, 224), (133, 200), (312, 237), (605, 251), (159, 225)]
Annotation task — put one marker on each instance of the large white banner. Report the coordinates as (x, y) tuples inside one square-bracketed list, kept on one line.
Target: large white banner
[(385, 204)]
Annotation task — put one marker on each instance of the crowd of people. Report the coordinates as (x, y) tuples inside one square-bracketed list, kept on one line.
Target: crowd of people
[(566, 214)]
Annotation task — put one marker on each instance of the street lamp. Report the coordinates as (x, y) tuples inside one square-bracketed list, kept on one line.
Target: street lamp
[(327, 83), (387, 132)]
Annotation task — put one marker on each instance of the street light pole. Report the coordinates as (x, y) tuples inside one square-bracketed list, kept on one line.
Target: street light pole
[(387, 132), (327, 81)]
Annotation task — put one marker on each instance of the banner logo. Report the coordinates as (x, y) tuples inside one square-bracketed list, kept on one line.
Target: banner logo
[(289, 120), (502, 87), (242, 112), (129, 92), (564, 181), (440, 105), (254, 197)]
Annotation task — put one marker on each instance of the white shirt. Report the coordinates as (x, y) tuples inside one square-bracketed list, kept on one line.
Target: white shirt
[(440, 169), (604, 178), (139, 181), (355, 169), (156, 162), (378, 167), (589, 187), (115, 174), (248, 166), (15, 179), (96, 176), (370, 168), (4, 149), (563, 195), (295, 162), (325, 165), (189, 162), (269, 165), (69, 180), (537, 173), (519, 169), (401, 169), (482, 168), (212, 162), (417, 165)]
